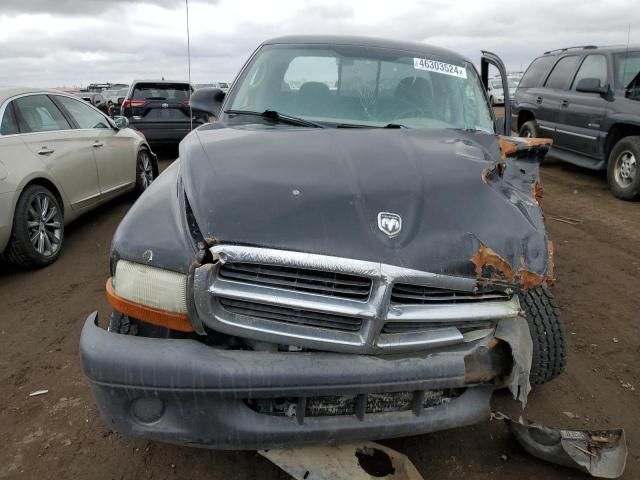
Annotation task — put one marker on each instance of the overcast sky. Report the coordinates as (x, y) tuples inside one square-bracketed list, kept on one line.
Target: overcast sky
[(75, 42)]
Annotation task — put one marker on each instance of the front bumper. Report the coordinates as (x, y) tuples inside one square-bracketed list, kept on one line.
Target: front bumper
[(185, 392)]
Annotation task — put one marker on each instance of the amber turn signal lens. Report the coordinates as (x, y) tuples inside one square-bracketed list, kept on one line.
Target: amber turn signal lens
[(173, 321)]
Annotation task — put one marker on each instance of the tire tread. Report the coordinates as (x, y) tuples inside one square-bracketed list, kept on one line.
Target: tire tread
[(547, 334)]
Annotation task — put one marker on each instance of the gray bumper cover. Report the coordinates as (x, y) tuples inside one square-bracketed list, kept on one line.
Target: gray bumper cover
[(198, 392)]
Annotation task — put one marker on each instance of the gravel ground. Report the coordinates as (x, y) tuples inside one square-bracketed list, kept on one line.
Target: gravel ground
[(60, 434)]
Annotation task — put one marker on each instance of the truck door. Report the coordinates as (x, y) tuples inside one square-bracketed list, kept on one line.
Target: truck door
[(582, 113), (549, 98)]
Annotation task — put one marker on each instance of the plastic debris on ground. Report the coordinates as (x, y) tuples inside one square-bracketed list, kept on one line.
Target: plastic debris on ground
[(354, 461), (600, 453)]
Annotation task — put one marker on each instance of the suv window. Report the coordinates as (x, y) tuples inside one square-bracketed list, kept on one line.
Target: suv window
[(85, 116), (594, 66), (40, 114), (161, 91), (9, 126), (627, 71), (559, 76), (532, 76)]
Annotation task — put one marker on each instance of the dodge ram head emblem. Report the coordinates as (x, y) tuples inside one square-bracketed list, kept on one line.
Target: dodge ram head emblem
[(390, 223)]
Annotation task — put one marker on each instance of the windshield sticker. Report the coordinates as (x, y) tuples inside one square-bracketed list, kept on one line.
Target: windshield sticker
[(439, 67)]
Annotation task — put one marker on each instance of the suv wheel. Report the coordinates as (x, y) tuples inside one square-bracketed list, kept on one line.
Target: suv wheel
[(547, 334), (623, 169), (38, 229), (145, 170), (492, 102), (529, 129)]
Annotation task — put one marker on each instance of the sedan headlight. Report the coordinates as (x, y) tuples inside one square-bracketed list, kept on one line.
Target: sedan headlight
[(150, 294)]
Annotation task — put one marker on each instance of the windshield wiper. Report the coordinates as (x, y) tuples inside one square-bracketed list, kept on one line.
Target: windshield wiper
[(278, 117), (361, 125)]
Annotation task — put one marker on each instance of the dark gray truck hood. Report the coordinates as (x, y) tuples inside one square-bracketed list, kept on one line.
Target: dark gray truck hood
[(467, 200)]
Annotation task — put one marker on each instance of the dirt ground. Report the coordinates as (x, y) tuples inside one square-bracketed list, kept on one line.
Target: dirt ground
[(60, 434)]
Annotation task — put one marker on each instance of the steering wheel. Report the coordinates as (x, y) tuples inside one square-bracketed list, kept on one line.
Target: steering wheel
[(411, 112)]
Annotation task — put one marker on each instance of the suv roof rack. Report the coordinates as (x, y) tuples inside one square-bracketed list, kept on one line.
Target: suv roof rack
[(583, 47)]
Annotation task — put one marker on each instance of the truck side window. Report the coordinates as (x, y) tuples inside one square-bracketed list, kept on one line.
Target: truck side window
[(594, 66), (532, 76), (559, 76)]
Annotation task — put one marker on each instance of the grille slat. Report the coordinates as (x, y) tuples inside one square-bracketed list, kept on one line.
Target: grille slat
[(297, 279), (408, 327), (421, 295), (292, 315)]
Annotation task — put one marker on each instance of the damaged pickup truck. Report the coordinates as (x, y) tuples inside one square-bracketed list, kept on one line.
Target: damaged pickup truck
[(352, 251)]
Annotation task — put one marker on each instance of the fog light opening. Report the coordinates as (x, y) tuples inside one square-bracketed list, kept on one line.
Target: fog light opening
[(147, 410)]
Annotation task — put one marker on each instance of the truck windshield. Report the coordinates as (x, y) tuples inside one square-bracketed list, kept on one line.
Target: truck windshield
[(363, 86)]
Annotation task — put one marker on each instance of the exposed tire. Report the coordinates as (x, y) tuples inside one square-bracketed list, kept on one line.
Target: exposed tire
[(492, 102), (119, 323), (623, 168), (547, 333), (146, 170), (38, 229), (529, 129)]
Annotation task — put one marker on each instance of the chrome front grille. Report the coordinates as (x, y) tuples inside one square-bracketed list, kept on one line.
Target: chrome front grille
[(423, 295), (331, 284), (337, 304)]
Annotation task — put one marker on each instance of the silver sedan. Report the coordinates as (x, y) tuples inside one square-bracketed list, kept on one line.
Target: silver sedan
[(59, 158)]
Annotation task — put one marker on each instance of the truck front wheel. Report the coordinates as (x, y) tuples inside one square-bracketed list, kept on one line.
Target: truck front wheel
[(547, 334)]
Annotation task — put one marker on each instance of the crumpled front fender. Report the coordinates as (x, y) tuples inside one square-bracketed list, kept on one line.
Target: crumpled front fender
[(154, 231)]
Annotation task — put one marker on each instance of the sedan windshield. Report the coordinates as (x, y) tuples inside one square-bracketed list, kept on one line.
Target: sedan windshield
[(362, 86)]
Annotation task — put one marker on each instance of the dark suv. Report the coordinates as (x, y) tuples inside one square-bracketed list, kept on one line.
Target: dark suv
[(587, 99), (159, 109)]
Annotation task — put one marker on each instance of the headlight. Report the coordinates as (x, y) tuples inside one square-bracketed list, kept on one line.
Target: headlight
[(150, 294), (151, 286)]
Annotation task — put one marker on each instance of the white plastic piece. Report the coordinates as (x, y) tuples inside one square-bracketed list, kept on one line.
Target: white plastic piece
[(38, 393)]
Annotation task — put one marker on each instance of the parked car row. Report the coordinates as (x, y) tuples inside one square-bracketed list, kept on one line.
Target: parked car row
[(224, 86), (496, 91)]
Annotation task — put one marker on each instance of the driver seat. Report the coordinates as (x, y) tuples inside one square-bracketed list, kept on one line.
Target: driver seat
[(414, 92)]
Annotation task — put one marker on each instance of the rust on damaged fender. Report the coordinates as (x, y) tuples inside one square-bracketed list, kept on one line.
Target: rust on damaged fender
[(491, 266), (512, 146)]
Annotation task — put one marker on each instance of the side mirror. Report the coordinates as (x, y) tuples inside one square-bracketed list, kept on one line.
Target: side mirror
[(121, 122), (207, 101), (120, 100), (591, 85)]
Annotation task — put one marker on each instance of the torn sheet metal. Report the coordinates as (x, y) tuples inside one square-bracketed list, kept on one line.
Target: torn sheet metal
[(600, 453), (354, 461), (515, 331)]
